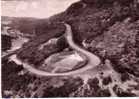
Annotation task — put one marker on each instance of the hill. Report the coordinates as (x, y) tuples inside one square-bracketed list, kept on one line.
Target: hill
[(108, 28)]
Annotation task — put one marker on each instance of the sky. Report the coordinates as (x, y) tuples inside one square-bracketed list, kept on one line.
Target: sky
[(34, 8)]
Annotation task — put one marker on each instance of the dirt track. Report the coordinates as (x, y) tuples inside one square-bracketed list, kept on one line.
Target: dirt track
[(93, 60)]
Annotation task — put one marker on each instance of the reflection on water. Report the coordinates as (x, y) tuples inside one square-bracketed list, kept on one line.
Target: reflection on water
[(17, 43)]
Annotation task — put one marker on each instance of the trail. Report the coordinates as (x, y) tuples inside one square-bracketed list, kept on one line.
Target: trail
[(93, 60)]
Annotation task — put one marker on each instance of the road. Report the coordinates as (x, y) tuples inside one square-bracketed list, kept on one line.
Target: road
[(93, 60)]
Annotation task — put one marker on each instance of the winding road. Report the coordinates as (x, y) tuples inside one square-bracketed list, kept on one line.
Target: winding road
[(93, 60)]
